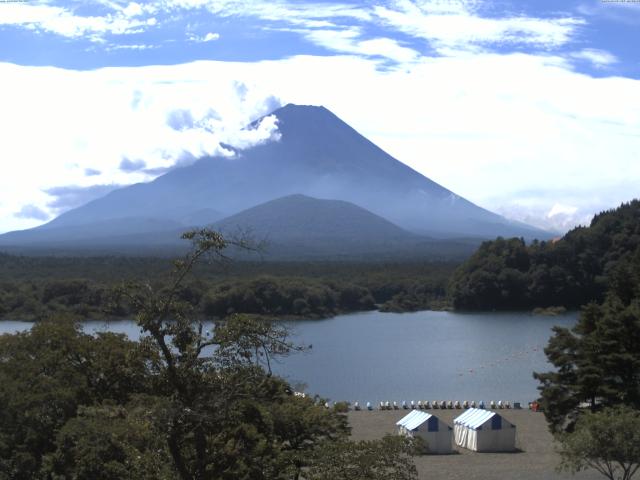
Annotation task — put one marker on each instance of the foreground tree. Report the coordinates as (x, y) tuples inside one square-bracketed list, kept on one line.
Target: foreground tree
[(225, 412), (598, 361), (190, 400), (227, 417), (386, 459), (607, 441), (46, 374), (110, 442)]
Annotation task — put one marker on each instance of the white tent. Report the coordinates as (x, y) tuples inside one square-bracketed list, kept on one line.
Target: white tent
[(437, 434), (484, 431)]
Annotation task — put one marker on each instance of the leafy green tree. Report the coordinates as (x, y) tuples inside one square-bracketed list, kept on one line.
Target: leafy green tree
[(110, 442), (307, 426), (386, 459), (226, 416), (571, 272), (187, 401), (494, 277), (46, 374), (597, 362), (607, 441)]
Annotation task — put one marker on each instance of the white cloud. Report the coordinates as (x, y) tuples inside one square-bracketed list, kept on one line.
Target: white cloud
[(560, 209), (445, 7), (296, 13), (133, 10), (265, 131), (450, 27), (59, 123), (624, 12), (32, 212), (62, 21), (599, 58), (538, 215), (125, 46), (299, 14), (487, 126), (350, 41), (136, 17), (209, 37)]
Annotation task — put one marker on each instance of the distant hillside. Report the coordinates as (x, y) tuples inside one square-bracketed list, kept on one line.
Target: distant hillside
[(301, 227), (98, 232), (295, 227), (317, 155), (326, 225), (575, 270)]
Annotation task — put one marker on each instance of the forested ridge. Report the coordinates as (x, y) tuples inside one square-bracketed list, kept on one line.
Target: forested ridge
[(508, 274), (38, 287)]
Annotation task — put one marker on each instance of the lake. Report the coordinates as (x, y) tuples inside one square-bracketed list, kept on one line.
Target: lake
[(427, 355)]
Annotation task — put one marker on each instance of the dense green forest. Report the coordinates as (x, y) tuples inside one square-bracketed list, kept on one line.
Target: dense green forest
[(508, 274), (38, 287), (591, 397), (503, 274), (597, 362), (182, 403)]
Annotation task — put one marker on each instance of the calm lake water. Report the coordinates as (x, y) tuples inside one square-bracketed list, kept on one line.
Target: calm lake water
[(426, 355)]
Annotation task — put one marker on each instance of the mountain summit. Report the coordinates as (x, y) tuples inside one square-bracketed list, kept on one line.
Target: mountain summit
[(317, 155)]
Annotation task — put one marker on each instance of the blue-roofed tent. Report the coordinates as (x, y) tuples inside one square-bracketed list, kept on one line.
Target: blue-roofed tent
[(484, 431), (437, 434)]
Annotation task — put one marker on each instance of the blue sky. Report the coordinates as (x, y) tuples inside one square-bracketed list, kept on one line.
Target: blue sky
[(528, 108)]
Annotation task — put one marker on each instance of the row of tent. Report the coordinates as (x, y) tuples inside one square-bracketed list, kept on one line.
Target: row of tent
[(476, 429)]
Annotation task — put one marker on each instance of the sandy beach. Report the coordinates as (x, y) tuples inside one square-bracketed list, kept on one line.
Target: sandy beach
[(535, 459)]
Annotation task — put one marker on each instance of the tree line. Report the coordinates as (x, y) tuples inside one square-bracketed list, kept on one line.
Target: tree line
[(31, 288), (507, 274)]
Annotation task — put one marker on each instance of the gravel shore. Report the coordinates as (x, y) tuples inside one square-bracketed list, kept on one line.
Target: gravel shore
[(535, 460)]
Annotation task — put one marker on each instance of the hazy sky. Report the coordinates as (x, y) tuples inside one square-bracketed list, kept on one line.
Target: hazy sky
[(528, 108)]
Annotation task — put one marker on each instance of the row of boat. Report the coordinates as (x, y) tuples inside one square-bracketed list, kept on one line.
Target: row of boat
[(442, 404)]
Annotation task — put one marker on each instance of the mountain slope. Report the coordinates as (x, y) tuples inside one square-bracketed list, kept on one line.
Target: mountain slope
[(100, 231), (296, 227), (301, 226), (299, 217), (317, 155)]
